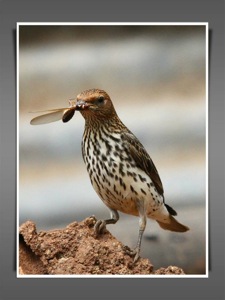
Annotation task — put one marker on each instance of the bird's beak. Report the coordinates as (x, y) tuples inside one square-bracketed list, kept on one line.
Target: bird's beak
[(81, 105)]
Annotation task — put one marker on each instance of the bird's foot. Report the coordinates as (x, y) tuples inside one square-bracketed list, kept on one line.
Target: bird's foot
[(133, 252), (100, 227)]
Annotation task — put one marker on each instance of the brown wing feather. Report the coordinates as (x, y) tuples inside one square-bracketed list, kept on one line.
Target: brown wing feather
[(143, 160)]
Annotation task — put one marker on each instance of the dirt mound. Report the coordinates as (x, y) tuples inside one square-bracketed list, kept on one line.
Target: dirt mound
[(76, 250)]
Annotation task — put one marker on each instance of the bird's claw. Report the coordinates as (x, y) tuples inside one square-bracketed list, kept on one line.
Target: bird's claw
[(133, 252), (100, 227)]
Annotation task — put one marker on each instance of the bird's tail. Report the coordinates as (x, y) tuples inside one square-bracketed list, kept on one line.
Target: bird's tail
[(170, 223), (173, 225)]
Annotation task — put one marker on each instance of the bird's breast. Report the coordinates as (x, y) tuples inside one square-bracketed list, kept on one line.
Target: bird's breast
[(114, 174)]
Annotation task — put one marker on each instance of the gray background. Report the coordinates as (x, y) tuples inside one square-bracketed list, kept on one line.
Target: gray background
[(13, 288)]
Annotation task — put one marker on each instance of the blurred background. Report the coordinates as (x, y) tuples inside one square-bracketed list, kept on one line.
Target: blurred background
[(156, 77)]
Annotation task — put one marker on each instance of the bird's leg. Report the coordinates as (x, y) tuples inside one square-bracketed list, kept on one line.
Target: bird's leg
[(100, 225), (142, 224)]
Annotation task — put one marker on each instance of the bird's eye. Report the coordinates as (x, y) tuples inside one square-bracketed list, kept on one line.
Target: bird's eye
[(101, 99)]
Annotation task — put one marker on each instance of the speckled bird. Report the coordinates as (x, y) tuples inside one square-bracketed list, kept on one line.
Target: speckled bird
[(120, 169)]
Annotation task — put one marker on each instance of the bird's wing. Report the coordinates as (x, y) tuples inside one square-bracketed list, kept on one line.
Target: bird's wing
[(142, 159)]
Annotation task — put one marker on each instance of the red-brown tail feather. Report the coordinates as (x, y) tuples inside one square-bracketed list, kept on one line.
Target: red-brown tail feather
[(173, 225)]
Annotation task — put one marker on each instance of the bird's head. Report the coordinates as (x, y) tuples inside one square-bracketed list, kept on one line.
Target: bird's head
[(96, 104)]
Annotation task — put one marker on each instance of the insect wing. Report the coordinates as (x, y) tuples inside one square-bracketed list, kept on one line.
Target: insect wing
[(49, 117)]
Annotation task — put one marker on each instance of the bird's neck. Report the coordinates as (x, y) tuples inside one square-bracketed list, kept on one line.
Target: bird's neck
[(110, 124)]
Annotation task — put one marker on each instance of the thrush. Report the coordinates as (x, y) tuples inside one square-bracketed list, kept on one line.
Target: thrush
[(120, 169)]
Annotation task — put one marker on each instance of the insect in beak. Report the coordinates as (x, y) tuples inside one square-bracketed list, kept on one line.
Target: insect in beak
[(53, 115)]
